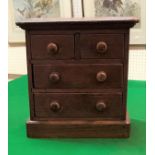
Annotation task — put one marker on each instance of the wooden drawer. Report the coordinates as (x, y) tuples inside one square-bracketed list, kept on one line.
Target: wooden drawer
[(52, 46), (78, 105), (102, 46), (80, 76)]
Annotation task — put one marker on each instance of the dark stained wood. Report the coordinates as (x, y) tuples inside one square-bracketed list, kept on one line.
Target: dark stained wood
[(114, 42), (78, 31), (73, 90), (77, 76), (30, 72), (64, 44), (77, 61), (78, 105), (79, 128), (125, 77), (79, 23)]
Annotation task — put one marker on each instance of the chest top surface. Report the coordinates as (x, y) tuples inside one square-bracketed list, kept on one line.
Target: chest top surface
[(73, 23)]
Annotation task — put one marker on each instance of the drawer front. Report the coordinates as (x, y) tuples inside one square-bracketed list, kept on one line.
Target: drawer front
[(52, 46), (102, 46), (74, 105), (80, 76)]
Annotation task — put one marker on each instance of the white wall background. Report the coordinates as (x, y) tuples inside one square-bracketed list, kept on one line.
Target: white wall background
[(137, 63)]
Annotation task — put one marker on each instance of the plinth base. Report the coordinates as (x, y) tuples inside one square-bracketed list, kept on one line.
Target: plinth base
[(78, 129)]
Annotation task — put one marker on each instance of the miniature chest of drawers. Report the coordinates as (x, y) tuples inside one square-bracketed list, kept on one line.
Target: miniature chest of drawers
[(77, 73)]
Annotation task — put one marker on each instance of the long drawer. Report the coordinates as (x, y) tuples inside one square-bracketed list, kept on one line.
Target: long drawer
[(78, 105), (78, 76)]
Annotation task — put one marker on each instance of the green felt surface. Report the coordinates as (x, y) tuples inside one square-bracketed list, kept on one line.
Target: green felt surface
[(19, 144)]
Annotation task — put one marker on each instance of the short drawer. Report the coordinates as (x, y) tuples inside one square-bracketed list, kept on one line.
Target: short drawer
[(81, 76), (78, 105), (102, 46), (52, 46)]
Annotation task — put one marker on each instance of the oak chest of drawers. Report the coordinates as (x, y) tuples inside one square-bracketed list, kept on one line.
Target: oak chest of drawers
[(77, 73)]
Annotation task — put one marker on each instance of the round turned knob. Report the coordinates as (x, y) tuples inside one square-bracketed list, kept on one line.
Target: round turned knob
[(52, 48), (101, 76), (55, 106), (54, 77), (100, 106), (101, 47)]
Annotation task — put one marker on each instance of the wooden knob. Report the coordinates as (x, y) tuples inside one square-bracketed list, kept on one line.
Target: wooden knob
[(52, 48), (55, 106), (101, 76), (100, 106), (54, 77), (101, 47)]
